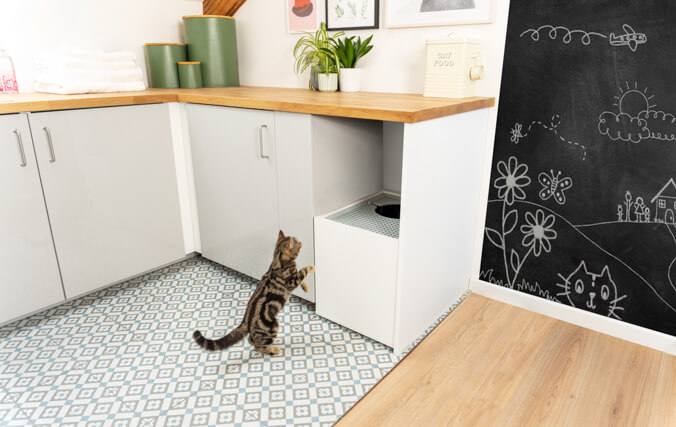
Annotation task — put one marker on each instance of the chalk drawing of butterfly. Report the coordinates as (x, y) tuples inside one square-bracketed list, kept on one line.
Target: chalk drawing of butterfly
[(552, 185)]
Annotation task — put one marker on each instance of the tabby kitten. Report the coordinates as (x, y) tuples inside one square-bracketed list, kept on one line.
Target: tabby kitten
[(272, 292)]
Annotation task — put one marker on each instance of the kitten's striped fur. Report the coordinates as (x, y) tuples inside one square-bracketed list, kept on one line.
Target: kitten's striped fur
[(272, 292)]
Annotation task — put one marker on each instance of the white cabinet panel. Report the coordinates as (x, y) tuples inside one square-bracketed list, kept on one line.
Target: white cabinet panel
[(441, 175), (29, 275), (235, 170), (294, 186), (111, 192), (357, 276)]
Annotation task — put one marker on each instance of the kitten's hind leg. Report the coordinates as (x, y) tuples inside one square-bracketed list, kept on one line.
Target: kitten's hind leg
[(262, 340), (273, 351)]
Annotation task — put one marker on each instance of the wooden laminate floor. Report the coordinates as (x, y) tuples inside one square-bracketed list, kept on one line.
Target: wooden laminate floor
[(491, 363)]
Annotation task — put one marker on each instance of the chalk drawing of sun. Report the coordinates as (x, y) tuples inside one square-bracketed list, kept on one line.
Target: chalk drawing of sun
[(635, 118), (633, 101)]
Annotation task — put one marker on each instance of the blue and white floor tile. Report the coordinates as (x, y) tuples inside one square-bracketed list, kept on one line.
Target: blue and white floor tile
[(124, 356)]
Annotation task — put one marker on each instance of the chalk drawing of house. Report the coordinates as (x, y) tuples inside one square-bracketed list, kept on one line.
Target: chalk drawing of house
[(665, 203)]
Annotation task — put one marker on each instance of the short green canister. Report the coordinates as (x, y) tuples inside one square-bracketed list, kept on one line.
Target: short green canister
[(212, 41), (190, 75), (161, 61)]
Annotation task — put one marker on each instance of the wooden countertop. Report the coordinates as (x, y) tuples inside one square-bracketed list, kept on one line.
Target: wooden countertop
[(395, 107)]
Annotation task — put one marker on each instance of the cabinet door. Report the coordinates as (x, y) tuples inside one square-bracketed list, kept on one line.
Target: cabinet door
[(109, 180), (293, 140), (234, 162), (29, 275)]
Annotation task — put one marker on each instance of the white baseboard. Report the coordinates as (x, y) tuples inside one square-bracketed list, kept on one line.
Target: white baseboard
[(616, 328)]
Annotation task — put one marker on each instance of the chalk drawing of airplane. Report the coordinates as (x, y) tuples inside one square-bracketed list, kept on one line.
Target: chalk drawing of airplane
[(630, 38)]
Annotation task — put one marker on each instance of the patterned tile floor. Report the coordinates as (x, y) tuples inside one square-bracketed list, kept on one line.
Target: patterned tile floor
[(123, 356)]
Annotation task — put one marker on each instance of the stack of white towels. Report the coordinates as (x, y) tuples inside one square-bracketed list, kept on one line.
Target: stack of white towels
[(71, 70)]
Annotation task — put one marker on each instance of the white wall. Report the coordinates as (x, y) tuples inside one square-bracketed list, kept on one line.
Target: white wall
[(30, 27), (396, 63)]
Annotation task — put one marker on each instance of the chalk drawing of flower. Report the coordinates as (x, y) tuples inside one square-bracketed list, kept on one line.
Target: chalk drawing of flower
[(538, 232), (512, 180), (516, 133)]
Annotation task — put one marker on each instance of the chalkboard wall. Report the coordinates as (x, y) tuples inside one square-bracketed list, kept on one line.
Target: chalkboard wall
[(582, 204)]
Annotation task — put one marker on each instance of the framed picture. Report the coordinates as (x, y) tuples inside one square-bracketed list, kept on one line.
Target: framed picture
[(352, 14), (302, 15), (423, 13)]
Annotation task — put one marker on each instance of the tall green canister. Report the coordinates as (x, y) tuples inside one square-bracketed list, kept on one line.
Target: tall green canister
[(212, 40)]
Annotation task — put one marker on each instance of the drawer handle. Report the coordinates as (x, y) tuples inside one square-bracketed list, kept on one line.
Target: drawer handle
[(22, 153), (260, 141), (52, 157)]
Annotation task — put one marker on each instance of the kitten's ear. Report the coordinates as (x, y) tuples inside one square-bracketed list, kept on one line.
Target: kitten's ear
[(281, 235)]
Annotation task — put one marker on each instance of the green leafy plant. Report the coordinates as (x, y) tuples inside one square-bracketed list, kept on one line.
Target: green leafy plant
[(349, 51), (317, 50)]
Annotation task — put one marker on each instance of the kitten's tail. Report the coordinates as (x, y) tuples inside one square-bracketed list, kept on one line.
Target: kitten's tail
[(229, 340)]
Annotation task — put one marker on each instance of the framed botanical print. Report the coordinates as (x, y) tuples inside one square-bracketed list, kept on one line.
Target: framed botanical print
[(352, 14), (302, 15), (423, 13)]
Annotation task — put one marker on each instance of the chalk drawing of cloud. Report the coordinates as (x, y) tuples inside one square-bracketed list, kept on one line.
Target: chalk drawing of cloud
[(623, 127), (662, 125), (636, 119)]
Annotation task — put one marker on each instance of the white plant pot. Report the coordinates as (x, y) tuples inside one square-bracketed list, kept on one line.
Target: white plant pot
[(328, 82), (350, 79)]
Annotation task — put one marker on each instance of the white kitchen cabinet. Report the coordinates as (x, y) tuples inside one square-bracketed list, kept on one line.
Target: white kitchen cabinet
[(109, 182), (253, 177), (293, 140), (235, 170), (29, 274)]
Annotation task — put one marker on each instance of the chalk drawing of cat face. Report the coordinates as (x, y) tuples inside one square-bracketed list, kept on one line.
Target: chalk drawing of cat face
[(592, 292)]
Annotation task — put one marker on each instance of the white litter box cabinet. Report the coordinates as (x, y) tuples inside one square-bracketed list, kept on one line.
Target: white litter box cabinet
[(392, 285), (357, 251)]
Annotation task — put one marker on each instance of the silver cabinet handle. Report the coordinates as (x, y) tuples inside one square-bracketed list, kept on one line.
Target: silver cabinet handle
[(52, 157), (260, 141), (22, 153)]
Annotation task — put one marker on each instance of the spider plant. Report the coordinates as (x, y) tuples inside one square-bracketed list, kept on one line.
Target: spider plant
[(349, 51), (317, 50)]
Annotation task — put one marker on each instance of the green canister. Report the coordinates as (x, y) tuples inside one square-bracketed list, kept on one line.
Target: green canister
[(190, 75), (212, 40), (161, 61)]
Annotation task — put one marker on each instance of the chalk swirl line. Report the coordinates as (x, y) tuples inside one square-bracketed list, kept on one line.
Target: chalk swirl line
[(553, 33)]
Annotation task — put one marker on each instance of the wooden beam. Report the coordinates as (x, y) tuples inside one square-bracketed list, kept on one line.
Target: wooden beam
[(221, 7)]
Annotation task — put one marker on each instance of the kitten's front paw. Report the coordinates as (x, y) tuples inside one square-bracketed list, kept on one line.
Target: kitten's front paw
[(304, 286), (310, 269)]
